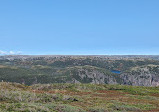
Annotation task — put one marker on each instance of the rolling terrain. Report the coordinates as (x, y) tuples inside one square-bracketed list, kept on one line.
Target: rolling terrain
[(68, 97), (79, 83), (130, 70)]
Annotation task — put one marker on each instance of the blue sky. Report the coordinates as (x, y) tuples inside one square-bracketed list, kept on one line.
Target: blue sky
[(79, 27)]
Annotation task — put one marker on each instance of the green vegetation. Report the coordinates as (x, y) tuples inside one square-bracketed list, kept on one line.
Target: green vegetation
[(15, 97), (78, 84), (73, 69)]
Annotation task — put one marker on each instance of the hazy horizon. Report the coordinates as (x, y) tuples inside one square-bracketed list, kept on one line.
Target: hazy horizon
[(78, 55)]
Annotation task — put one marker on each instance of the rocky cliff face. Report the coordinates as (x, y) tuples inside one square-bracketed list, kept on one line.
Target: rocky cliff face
[(141, 76), (93, 76), (145, 76)]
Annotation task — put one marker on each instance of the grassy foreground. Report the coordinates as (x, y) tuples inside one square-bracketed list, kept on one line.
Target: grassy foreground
[(16, 97)]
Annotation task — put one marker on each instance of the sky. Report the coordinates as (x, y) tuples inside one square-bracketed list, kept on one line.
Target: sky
[(79, 27)]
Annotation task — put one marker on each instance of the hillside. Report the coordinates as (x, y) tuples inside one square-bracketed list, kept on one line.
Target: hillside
[(130, 70), (79, 84), (77, 98)]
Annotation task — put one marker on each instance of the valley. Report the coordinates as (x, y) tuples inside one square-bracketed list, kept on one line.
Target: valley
[(125, 70)]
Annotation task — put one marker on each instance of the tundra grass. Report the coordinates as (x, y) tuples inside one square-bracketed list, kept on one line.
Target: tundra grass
[(16, 97)]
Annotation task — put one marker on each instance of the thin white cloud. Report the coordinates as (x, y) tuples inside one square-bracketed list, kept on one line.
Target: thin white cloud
[(10, 52), (3, 52)]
